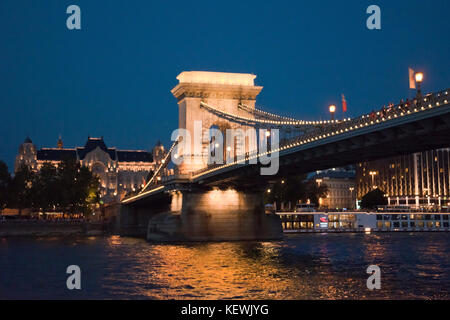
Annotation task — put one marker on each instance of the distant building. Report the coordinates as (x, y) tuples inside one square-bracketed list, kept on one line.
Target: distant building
[(341, 188), (418, 180), (120, 171)]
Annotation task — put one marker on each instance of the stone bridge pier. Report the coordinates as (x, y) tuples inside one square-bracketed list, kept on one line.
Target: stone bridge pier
[(197, 214)]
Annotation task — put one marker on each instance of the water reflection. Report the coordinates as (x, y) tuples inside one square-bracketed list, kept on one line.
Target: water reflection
[(330, 266)]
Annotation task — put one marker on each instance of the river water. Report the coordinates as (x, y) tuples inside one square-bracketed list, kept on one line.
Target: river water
[(309, 266)]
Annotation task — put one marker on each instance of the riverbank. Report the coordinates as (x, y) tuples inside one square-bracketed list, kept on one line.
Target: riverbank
[(41, 228)]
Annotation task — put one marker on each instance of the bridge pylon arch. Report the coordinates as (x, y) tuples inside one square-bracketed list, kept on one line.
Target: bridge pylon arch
[(223, 90)]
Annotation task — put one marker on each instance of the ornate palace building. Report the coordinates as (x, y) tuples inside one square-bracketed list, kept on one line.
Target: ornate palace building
[(418, 180), (120, 171)]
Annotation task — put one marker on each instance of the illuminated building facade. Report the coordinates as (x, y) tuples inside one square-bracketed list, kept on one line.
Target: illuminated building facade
[(120, 171), (418, 180), (341, 189)]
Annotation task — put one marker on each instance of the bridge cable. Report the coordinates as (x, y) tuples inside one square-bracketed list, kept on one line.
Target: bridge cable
[(164, 163)]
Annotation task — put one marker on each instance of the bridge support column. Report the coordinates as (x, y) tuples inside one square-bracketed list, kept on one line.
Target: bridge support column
[(217, 215)]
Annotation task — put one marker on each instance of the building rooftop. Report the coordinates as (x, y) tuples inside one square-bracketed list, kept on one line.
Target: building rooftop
[(53, 154), (59, 154), (134, 156)]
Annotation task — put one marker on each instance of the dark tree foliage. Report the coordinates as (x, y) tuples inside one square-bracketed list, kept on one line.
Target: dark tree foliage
[(295, 189), (373, 199), (70, 188), (46, 189), (78, 187), (5, 179), (315, 191), (20, 189)]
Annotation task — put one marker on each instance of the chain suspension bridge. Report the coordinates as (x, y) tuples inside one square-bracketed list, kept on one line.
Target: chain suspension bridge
[(203, 201)]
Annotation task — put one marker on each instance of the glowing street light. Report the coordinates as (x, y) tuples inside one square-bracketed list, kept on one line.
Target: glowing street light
[(419, 80), (332, 111), (419, 77)]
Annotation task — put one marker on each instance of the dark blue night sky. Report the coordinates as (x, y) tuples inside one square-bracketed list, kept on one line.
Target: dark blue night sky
[(113, 77)]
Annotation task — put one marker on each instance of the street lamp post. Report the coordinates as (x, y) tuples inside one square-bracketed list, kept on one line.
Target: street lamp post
[(332, 111), (419, 80), (373, 174), (351, 189)]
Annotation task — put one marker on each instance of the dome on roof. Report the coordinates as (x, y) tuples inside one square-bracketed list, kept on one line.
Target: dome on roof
[(28, 140)]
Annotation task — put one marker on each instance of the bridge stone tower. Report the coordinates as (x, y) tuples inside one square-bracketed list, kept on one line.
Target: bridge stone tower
[(223, 91)]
